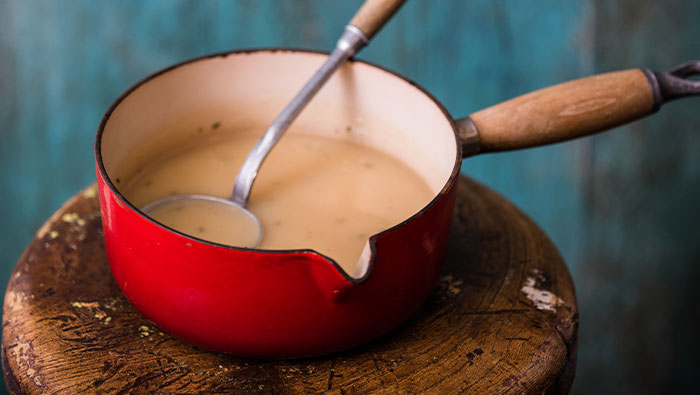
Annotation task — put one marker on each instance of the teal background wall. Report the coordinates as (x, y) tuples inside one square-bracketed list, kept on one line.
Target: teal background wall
[(622, 207)]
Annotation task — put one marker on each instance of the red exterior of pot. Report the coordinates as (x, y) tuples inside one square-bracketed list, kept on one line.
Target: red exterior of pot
[(275, 304), (267, 304)]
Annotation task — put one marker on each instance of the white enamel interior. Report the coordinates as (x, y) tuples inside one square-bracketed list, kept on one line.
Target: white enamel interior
[(249, 90)]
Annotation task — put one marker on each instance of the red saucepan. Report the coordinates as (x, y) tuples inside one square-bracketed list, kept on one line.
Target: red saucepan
[(284, 304)]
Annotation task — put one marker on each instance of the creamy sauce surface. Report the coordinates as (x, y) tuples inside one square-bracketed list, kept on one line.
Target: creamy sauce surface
[(312, 192)]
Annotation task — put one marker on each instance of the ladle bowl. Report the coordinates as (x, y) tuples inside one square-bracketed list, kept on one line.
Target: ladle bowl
[(196, 214)]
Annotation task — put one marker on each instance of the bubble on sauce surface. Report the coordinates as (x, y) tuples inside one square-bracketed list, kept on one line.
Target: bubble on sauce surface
[(210, 220)]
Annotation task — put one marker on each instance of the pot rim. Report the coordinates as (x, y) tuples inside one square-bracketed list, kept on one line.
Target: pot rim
[(371, 240)]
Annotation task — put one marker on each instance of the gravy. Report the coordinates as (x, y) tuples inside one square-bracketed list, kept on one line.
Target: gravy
[(312, 192), (208, 219)]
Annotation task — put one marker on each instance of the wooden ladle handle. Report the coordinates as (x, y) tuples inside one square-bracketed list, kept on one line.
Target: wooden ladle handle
[(574, 109), (374, 14)]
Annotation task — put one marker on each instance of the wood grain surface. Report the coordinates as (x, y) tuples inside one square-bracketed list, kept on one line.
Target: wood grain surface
[(503, 318), (565, 111)]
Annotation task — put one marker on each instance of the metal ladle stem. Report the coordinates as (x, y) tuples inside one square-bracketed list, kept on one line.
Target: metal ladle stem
[(364, 25), (352, 40)]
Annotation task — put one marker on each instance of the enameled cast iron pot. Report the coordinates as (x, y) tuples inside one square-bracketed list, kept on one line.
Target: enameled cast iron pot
[(286, 304)]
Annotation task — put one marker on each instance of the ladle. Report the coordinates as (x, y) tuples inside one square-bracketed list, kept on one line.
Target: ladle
[(243, 228)]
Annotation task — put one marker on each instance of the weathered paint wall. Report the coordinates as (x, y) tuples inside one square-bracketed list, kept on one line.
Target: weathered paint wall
[(621, 206)]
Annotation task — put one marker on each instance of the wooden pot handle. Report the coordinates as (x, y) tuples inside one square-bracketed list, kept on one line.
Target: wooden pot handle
[(374, 14), (574, 109)]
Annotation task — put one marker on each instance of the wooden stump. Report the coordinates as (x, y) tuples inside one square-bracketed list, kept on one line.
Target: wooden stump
[(503, 318)]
